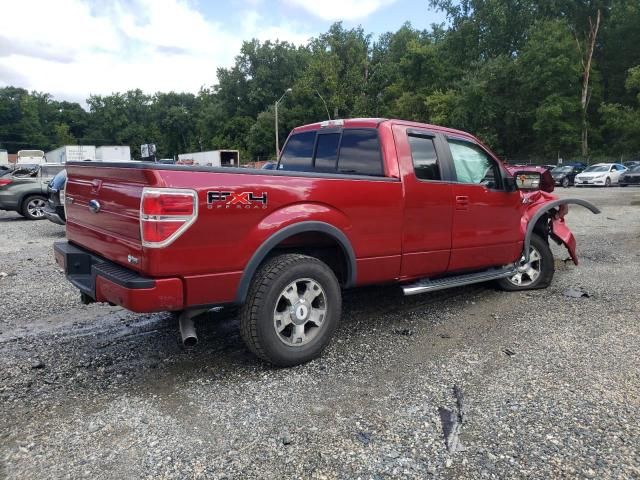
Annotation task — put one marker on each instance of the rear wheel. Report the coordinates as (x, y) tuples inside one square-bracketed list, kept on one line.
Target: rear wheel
[(607, 182), (536, 273), (33, 207), (292, 310)]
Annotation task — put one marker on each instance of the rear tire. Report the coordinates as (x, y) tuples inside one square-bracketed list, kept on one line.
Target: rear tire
[(607, 182), (33, 207), (292, 310), (538, 273)]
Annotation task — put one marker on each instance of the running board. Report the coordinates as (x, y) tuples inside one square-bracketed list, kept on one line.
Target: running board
[(426, 285)]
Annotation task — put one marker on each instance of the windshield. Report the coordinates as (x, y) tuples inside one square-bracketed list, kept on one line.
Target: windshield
[(562, 170), (597, 168)]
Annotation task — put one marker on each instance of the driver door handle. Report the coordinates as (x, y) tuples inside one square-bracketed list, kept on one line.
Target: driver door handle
[(462, 202)]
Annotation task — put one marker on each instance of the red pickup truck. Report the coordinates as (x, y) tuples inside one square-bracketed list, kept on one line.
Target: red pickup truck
[(351, 203)]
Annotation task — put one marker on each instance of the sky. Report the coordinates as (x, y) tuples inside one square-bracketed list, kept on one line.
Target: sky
[(74, 48)]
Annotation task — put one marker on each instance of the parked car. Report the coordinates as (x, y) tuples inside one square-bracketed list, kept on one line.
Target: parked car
[(269, 166), (630, 177), (600, 174), (24, 190), (352, 202), (54, 210), (565, 175), (631, 163)]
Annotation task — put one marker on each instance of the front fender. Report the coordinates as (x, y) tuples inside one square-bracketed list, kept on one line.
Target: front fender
[(559, 229)]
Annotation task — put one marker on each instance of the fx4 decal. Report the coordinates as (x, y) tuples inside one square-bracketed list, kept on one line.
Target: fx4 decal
[(221, 199)]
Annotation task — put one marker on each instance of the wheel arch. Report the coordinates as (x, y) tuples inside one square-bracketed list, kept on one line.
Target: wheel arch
[(544, 210), (276, 239)]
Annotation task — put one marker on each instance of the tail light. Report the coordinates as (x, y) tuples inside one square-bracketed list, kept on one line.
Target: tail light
[(165, 213), (5, 181)]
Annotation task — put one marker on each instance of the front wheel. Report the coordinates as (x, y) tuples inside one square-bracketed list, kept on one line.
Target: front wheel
[(537, 273), (292, 310), (565, 182), (33, 207)]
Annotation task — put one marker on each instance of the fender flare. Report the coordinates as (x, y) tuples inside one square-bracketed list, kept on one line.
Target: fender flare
[(308, 226), (544, 210)]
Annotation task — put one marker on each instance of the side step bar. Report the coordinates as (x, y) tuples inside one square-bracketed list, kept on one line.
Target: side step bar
[(426, 285)]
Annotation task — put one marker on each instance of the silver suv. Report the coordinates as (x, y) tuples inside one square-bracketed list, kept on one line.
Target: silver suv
[(24, 189)]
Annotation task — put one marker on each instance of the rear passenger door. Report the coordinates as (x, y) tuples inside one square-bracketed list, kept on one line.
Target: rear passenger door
[(428, 207)]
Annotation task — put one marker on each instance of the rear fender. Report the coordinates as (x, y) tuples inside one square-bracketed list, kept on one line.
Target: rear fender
[(293, 220), (559, 230)]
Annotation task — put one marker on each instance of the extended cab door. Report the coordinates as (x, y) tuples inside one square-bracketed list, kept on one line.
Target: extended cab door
[(486, 220), (428, 207)]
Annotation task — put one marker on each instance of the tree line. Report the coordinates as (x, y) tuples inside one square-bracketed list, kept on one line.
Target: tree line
[(534, 79)]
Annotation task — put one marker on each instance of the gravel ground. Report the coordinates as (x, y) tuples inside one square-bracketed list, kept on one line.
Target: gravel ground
[(534, 384)]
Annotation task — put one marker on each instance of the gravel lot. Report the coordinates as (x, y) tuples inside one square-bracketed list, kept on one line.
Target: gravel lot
[(547, 385)]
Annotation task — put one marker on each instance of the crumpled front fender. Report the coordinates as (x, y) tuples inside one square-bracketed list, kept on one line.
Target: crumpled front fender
[(561, 234), (559, 229)]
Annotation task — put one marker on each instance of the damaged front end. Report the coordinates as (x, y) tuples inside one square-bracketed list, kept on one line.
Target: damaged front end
[(546, 213)]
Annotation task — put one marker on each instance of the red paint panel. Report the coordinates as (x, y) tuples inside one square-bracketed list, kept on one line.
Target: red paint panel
[(211, 289), (378, 270)]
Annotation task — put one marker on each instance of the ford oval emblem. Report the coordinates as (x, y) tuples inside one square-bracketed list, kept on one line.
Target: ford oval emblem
[(94, 206)]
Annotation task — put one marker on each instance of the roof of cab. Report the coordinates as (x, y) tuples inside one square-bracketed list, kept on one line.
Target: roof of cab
[(374, 123)]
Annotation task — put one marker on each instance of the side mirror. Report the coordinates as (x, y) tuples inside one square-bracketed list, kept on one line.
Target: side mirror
[(527, 180)]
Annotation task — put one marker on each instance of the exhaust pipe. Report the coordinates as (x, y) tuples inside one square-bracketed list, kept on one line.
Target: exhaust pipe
[(187, 328)]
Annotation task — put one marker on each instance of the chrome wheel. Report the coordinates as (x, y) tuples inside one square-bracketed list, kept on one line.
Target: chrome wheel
[(300, 312), (35, 208), (529, 272)]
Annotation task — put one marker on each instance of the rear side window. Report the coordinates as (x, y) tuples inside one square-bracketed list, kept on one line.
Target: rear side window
[(298, 152), (425, 160), (360, 152), (327, 152)]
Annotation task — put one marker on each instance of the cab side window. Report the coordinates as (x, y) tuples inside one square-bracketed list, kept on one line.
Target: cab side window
[(298, 152), (425, 159), (474, 165)]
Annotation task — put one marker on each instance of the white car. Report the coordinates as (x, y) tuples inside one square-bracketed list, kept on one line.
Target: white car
[(600, 174)]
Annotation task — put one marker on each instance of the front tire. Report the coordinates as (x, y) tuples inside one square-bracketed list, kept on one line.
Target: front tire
[(33, 207), (536, 274), (565, 182), (292, 310)]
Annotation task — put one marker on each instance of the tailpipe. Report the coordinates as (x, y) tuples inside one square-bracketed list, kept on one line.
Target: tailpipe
[(187, 328)]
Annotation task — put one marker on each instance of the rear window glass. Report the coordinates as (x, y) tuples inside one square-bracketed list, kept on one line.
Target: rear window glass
[(360, 153), (327, 152), (425, 160), (298, 152)]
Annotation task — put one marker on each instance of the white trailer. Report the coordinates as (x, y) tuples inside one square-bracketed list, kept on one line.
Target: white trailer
[(113, 153), (212, 158), (4, 157), (71, 153)]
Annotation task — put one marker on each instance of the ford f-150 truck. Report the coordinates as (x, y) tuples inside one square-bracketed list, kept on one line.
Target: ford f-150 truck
[(352, 202)]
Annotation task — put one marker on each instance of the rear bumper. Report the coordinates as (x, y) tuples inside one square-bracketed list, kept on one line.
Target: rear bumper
[(103, 281)]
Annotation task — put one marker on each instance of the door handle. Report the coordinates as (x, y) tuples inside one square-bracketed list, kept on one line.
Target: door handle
[(462, 202)]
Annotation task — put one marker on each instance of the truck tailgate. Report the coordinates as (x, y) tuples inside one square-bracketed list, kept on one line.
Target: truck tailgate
[(103, 210)]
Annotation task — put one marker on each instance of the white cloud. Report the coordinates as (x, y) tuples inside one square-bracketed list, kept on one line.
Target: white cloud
[(341, 9), (71, 50)]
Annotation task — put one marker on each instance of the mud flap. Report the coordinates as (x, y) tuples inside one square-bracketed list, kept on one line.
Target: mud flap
[(558, 228)]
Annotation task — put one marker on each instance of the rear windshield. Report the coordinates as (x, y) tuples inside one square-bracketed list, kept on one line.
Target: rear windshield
[(351, 151)]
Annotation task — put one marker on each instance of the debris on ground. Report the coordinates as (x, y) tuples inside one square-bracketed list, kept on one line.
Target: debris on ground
[(575, 293)]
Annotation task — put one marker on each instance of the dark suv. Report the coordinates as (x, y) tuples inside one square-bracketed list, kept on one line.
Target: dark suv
[(54, 210)]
